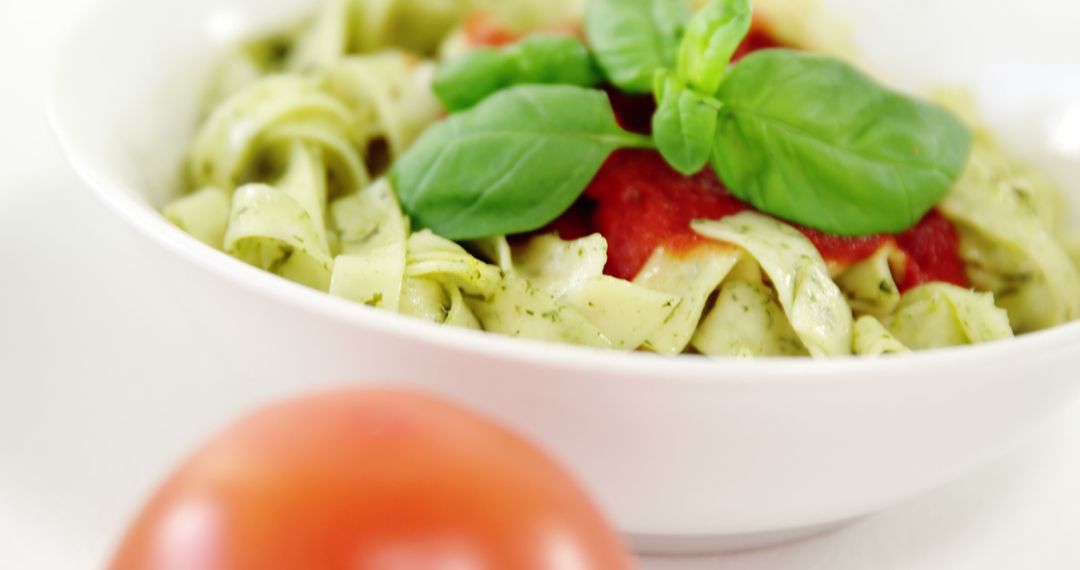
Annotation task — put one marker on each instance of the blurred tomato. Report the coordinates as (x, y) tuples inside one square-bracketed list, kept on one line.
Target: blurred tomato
[(368, 480)]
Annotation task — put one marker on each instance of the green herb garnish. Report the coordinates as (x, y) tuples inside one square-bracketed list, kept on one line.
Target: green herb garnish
[(634, 39), (809, 139), (684, 124), (803, 137), (466, 81), (685, 121), (712, 37)]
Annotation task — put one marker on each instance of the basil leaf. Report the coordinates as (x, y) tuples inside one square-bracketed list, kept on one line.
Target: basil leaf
[(511, 164), (684, 125), (811, 140), (713, 35), (633, 39), (464, 82)]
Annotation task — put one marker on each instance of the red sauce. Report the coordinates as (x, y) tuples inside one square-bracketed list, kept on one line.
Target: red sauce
[(642, 203), (845, 250), (639, 203), (933, 253)]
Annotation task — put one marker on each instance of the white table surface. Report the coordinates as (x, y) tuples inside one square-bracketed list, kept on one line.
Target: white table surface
[(103, 387)]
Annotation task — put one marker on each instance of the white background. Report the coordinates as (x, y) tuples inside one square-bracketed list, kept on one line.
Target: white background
[(103, 386)]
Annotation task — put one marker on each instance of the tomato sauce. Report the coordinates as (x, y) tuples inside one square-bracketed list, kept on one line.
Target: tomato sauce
[(933, 253), (639, 203), (846, 250)]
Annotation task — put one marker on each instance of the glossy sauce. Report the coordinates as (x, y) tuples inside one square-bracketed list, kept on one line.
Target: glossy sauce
[(639, 203), (933, 253)]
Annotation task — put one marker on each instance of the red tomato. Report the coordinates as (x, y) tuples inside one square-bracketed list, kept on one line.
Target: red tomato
[(370, 480)]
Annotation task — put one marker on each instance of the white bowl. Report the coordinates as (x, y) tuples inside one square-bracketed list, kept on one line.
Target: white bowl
[(685, 454)]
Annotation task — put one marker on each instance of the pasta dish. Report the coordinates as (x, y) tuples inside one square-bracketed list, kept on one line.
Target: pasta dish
[(660, 175)]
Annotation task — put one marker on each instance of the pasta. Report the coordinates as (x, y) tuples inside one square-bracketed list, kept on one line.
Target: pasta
[(1008, 245), (627, 314), (814, 305), (692, 278), (870, 285), (939, 314), (288, 173), (747, 321), (871, 338)]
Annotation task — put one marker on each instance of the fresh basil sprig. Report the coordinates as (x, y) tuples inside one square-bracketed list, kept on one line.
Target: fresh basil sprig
[(633, 39), (464, 82), (685, 122), (711, 39), (803, 137), (810, 139), (684, 125), (511, 164)]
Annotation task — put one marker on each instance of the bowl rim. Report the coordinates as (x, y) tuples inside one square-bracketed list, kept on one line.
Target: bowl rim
[(150, 223)]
